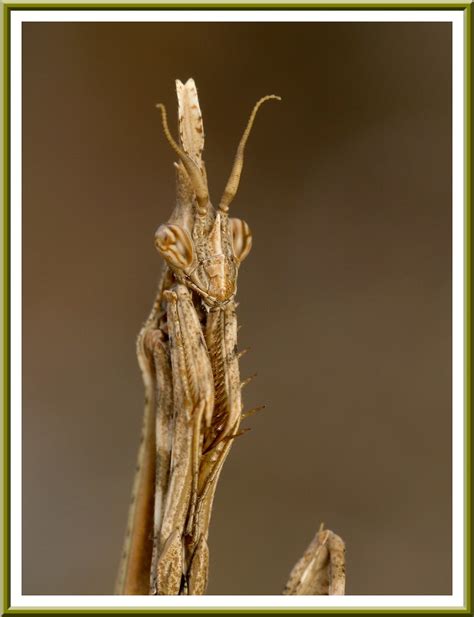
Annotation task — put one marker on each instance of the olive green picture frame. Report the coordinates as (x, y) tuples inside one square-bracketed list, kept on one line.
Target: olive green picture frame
[(18, 5)]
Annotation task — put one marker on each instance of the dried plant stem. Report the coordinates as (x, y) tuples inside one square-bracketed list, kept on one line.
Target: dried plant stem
[(321, 569)]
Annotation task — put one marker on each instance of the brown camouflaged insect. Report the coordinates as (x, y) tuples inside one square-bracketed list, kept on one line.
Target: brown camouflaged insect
[(187, 352)]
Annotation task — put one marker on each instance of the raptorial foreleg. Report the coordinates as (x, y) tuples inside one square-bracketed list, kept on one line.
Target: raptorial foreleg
[(152, 464), (221, 338), (193, 400)]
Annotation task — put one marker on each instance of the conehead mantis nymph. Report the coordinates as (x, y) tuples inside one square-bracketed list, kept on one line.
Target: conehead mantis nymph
[(187, 352)]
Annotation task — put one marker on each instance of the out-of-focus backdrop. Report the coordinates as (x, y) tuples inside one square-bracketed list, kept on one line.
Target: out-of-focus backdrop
[(345, 297)]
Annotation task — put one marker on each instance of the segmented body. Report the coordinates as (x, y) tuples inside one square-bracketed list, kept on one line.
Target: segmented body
[(165, 466)]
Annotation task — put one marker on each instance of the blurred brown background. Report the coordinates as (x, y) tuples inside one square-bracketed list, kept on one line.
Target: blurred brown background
[(345, 298)]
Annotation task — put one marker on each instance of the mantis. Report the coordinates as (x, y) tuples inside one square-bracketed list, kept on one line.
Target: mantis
[(189, 359)]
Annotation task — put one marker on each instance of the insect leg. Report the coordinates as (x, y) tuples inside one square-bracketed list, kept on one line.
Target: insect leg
[(221, 338), (157, 345), (134, 572), (193, 400)]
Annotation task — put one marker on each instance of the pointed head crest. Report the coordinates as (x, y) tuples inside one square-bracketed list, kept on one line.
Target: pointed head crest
[(205, 249)]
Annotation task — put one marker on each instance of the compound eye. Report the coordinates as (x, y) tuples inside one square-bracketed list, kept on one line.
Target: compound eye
[(174, 243), (241, 239)]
